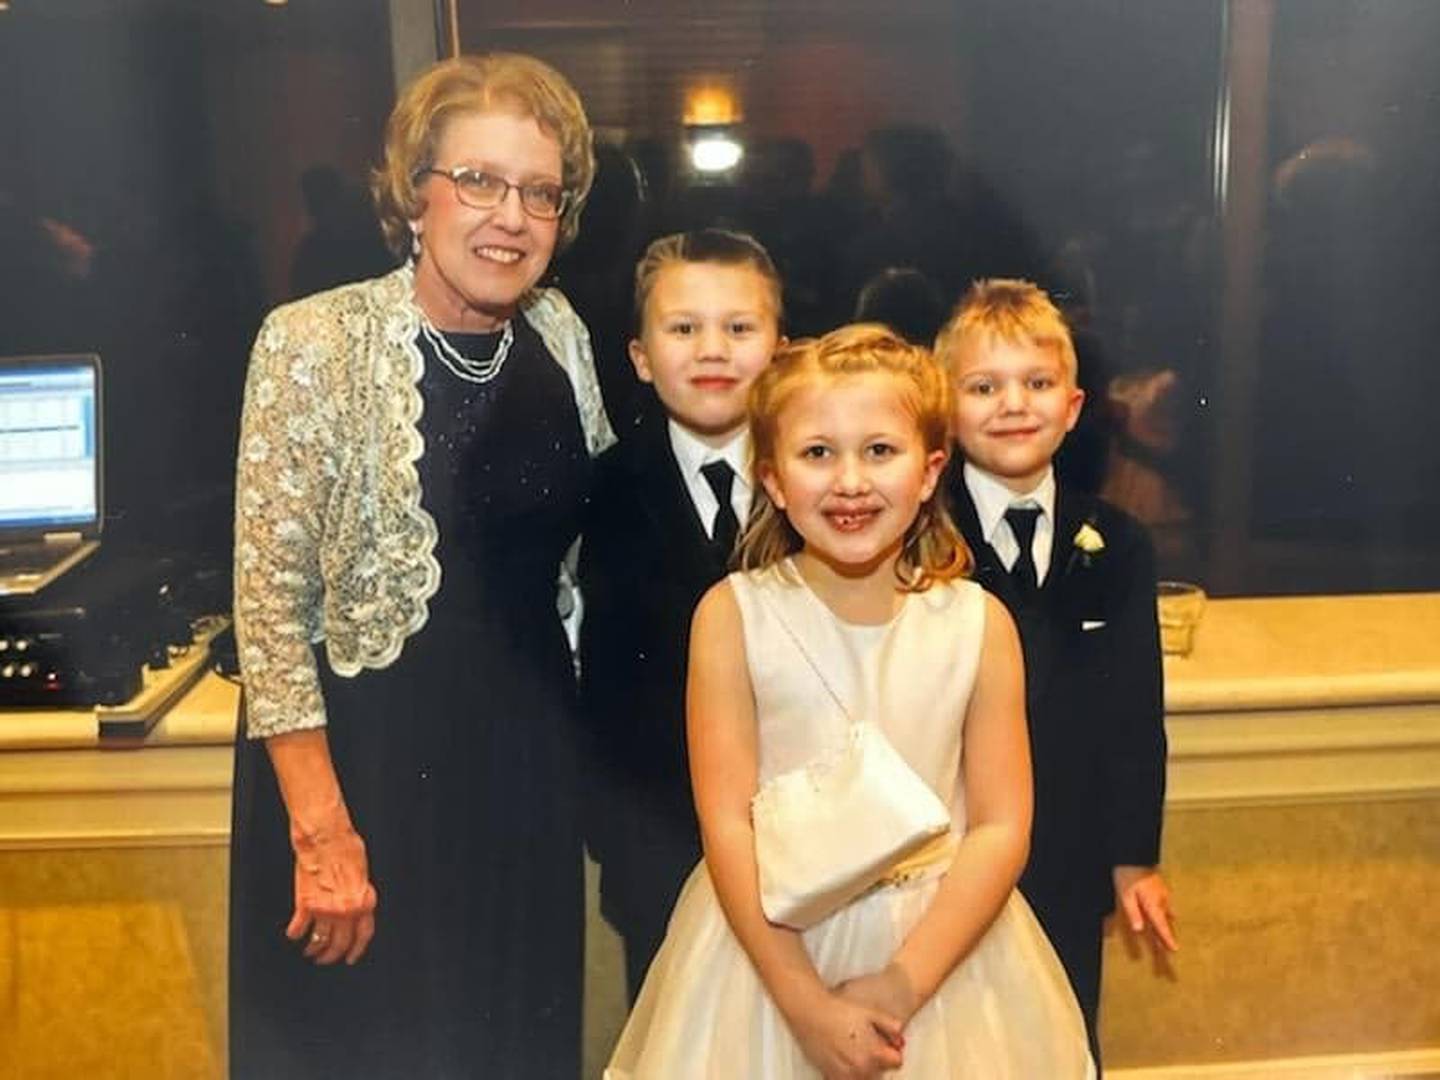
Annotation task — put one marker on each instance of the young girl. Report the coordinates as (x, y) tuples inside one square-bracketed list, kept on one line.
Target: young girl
[(937, 971)]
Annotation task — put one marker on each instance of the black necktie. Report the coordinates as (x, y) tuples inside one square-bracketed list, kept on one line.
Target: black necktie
[(1022, 523), (721, 478)]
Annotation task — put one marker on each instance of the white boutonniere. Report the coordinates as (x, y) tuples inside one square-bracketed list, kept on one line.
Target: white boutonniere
[(1089, 540), (1087, 544)]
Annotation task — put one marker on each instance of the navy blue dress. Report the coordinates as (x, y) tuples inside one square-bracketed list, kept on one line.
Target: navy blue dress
[(458, 764)]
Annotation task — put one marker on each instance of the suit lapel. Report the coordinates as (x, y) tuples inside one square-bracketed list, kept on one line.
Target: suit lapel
[(1057, 601), (1039, 622), (1072, 510), (661, 492), (989, 571)]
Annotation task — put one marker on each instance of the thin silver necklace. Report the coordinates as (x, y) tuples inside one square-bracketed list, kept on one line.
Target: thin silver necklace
[(462, 366)]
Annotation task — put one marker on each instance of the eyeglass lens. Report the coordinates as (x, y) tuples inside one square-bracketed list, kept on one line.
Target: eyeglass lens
[(483, 191)]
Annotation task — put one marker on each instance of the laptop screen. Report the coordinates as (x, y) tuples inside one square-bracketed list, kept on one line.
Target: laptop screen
[(49, 442)]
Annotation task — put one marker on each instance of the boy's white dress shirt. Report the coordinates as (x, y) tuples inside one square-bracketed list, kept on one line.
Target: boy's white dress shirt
[(992, 499), (692, 455)]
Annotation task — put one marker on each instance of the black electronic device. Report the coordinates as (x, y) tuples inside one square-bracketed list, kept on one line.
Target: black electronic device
[(84, 640)]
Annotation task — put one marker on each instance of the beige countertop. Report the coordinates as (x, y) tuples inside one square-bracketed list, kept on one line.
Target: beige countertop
[(199, 707), (1283, 700), (1263, 653), (64, 785), (1309, 651)]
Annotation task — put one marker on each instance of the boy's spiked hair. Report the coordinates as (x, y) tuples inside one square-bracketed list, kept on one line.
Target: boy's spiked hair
[(1015, 311)]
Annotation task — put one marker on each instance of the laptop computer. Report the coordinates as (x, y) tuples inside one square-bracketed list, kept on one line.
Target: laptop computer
[(51, 467)]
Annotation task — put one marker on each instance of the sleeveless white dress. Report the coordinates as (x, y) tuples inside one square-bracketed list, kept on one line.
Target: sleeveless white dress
[(1005, 1013)]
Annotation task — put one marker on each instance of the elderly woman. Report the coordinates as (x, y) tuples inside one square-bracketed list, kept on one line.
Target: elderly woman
[(415, 453)]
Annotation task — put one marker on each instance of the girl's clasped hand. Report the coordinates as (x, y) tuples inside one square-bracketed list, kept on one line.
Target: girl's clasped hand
[(848, 1040)]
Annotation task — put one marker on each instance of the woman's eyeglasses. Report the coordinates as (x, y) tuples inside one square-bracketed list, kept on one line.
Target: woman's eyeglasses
[(485, 191)]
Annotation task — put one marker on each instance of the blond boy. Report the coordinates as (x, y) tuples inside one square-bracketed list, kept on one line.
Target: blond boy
[(1079, 577)]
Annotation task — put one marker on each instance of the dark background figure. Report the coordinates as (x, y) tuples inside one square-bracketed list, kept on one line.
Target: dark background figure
[(785, 215), (169, 310), (596, 274), (1082, 458), (905, 300), (343, 242), (1331, 233), (945, 222), (182, 300), (913, 221), (47, 282)]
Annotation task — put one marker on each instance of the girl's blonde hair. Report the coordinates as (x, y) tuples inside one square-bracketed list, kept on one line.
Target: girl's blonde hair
[(933, 549), (476, 84)]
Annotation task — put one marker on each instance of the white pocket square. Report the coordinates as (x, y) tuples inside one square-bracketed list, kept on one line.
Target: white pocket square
[(1092, 624)]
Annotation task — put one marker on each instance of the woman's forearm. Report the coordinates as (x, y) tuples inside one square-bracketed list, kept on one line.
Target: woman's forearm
[(334, 897), (309, 784)]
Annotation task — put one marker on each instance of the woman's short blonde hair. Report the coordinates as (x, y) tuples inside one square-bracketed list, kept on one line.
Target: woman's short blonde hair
[(471, 84), (933, 549)]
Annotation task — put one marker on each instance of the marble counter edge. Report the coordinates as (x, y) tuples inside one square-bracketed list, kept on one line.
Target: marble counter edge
[(1303, 756), (1209, 695), (204, 715)]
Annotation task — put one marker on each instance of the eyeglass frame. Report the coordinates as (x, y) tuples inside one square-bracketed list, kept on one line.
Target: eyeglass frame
[(454, 175)]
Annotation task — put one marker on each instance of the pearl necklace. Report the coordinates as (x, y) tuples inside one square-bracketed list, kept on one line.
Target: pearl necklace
[(462, 366)]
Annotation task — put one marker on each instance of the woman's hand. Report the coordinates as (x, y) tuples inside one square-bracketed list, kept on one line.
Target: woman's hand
[(334, 899), (846, 1040), (888, 990)]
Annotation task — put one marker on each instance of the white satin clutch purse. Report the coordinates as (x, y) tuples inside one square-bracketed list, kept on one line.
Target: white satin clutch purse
[(827, 831), (830, 829)]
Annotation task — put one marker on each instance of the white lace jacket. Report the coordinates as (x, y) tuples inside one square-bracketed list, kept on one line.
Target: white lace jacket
[(331, 541)]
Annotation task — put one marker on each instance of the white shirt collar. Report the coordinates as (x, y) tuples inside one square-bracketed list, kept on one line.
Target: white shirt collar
[(992, 498), (691, 453)]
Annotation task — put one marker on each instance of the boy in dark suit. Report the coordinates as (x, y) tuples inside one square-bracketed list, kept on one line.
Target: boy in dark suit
[(666, 508), (1079, 577)]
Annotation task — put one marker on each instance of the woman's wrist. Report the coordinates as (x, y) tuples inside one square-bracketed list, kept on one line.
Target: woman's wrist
[(309, 786), (316, 822)]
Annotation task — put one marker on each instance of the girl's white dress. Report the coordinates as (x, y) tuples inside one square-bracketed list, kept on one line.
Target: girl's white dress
[(1006, 1011)]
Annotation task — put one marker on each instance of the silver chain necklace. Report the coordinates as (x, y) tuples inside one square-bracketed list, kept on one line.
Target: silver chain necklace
[(462, 366)]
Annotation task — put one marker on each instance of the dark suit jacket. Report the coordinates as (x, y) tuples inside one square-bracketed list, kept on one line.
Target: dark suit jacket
[(1094, 699), (645, 561)]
